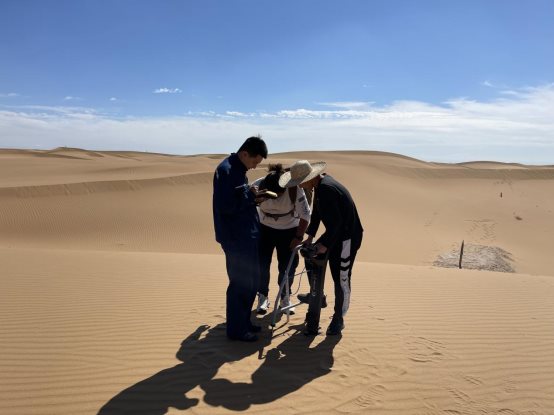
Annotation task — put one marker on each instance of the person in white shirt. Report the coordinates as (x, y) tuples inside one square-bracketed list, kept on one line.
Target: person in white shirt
[(283, 222)]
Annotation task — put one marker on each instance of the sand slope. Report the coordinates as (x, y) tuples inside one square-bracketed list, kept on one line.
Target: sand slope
[(112, 292), (86, 332)]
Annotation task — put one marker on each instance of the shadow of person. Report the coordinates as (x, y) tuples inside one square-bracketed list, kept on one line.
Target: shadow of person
[(286, 368), (202, 356)]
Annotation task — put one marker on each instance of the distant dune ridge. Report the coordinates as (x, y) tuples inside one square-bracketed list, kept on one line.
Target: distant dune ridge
[(113, 291)]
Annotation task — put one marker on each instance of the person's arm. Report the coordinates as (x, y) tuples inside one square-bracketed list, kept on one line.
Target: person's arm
[(299, 236), (314, 223), (302, 208)]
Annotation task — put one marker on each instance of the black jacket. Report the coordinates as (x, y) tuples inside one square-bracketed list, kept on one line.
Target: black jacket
[(334, 206), (236, 219)]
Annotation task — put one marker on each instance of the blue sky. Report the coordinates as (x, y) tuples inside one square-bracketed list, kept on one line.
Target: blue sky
[(437, 80)]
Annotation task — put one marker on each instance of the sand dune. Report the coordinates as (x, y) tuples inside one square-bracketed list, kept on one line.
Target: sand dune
[(113, 288), (412, 211)]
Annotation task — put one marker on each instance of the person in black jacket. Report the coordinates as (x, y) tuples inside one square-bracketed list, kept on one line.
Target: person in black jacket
[(237, 229), (333, 205)]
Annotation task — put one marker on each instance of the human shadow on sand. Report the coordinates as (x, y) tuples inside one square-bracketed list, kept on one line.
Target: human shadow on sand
[(285, 368)]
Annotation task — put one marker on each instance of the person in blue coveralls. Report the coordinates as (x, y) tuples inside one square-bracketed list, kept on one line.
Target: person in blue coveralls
[(237, 229)]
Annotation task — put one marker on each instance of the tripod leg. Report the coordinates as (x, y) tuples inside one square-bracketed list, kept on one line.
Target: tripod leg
[(277, 304), (284, 285)]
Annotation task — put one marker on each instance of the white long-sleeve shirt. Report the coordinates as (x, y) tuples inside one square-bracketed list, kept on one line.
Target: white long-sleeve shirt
[(300, 209)]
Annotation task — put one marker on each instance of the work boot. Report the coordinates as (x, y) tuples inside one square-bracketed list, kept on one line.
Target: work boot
[(263, 304), (285, 302), (305, 298), (336, 326)]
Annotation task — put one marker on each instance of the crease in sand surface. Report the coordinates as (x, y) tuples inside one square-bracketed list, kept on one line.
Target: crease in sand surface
[(79, 188)]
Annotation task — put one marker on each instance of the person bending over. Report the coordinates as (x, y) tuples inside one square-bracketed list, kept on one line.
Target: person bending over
[(333, 205)]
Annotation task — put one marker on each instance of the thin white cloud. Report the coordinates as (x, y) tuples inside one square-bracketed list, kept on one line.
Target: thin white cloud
[(113, 99), (501, 88), (167, 91), (240, 114), (512, 128), (52, 114), (303, 113), (9, 95), (72, 98), (34, 109), (352, 105)]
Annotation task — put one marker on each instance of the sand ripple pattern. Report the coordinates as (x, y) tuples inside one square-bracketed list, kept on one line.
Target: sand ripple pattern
[(85, 332)]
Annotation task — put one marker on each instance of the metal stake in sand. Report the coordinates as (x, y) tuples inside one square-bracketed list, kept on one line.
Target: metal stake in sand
[(461, 255)]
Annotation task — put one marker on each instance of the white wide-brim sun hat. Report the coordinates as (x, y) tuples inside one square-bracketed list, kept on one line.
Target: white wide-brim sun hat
[(301, 172)]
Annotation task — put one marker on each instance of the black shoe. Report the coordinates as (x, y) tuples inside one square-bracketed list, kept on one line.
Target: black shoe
[(305, 298), (255, 328), (335, 328), (312, 331), (247, 337)]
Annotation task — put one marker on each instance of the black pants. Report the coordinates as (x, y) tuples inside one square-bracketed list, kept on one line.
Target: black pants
[(341, 261), (275, 239), (244, 274)]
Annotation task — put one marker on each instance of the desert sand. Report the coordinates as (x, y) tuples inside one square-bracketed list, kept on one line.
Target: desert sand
[(112, 296)]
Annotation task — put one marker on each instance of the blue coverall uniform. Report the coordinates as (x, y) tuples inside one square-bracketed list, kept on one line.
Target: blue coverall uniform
[(237, 229)]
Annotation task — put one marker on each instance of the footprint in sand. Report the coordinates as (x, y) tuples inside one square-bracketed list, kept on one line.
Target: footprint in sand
[(461, 398), (483, 230), (371, 398), (473, 380), (423, 350)]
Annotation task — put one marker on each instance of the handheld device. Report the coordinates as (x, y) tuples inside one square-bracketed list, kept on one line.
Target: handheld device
[(267, 194)]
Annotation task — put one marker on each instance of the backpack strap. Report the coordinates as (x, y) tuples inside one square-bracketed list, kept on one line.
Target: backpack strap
[(292, 194)]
